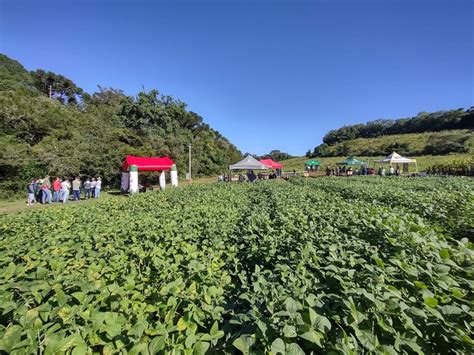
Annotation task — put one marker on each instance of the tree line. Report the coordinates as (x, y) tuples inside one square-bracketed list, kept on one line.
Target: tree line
[(275, 155), (422, 123), (49, 125)]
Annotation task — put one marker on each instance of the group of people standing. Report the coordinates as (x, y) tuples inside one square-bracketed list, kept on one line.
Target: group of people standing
[(364, 170), (250, 177), (348, 171), (391, 171), (43, 191)]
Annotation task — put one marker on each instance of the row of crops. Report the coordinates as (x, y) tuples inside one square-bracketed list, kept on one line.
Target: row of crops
[(463, 167), (362, 265)]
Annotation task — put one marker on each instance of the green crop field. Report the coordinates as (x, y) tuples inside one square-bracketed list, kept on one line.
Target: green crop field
[(322, 265)]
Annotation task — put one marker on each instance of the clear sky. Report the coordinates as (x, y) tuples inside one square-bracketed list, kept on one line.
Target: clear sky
[(266, 74)]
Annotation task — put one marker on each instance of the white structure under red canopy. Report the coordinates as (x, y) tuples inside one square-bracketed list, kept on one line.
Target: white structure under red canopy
[(133, 164)]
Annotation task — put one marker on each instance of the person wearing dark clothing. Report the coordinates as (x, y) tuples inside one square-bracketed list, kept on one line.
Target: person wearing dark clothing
[(87, 189), (31, 192), (251, 176), (38, 191)]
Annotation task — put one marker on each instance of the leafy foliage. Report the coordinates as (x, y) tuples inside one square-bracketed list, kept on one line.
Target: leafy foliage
[(435, 143), (323, 265), (77, 133), (276, 155), (13, 76), (463, 167), (423, 122), (382, 136), (439, 146), (57, 86)]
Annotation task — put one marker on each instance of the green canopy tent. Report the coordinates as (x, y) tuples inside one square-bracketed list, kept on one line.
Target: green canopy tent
[(312, 164), (351, 161)]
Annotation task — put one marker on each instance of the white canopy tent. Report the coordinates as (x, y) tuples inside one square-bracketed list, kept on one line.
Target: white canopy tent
[(396, 158), (248, 163)]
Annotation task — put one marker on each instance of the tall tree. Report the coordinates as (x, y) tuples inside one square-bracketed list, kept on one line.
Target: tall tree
[(57, 86), (40, 136)]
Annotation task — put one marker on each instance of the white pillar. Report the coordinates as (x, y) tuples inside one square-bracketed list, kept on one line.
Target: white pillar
[(133, 172), (162, 180), (174, 175)]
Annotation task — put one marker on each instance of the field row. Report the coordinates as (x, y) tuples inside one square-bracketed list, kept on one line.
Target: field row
[(310, 265)]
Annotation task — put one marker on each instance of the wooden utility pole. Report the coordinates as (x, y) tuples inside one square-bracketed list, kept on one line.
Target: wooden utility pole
[(50, 90)]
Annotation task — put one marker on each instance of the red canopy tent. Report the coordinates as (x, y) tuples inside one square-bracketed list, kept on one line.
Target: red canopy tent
[(148, 164), (271, 164)]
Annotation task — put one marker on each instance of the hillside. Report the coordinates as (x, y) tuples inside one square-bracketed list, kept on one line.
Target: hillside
[(49, 125), (437, 133), (428, 143), (421, 123)]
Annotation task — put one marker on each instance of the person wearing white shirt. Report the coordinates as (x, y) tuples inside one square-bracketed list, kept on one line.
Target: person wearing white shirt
[(98, 186), (65, 186)]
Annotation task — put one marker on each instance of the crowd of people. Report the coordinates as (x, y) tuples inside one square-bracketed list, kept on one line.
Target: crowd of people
[(250, 177), (364, 170), (43, 191)]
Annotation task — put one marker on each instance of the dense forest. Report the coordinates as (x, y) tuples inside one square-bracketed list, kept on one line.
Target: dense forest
[(49, 125), (339, 139)]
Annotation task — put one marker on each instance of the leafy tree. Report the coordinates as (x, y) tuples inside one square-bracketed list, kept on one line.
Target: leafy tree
[(13, 76), (276, 155), (40, 136), (321, 150), (57, 86), (423, 122), (447, 146), (468, 120)]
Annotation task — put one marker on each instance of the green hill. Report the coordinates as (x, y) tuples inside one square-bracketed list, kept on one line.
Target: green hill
[(428, 149), (428, 143), (421, 123)]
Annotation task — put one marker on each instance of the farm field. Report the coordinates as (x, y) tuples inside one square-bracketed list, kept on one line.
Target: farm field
[(344, 265)]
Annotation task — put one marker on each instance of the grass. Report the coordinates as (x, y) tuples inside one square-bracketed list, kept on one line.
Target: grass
[(20, 204), (16, 205)]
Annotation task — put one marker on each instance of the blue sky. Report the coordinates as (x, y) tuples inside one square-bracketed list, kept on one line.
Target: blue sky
[(266, 74)]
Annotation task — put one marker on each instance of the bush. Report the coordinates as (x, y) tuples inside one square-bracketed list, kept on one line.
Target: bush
[(442, 147), (12, 190), (457, 167)]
